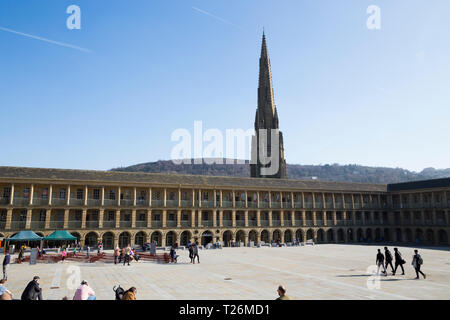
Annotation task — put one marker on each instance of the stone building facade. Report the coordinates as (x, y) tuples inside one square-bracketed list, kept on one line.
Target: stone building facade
[(121, 208)]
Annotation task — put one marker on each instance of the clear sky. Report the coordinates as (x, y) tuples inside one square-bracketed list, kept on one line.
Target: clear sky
[(345, 94)]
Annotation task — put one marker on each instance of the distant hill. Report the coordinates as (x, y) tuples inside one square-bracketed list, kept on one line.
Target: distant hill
[(333, 172)]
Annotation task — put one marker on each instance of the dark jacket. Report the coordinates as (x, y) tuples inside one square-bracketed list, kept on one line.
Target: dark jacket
[(380, 257), (388, 256), (32, 291), (398, 256), (6, 260), (194, 249)]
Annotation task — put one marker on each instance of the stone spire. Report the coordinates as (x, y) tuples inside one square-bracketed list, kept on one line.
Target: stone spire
[(266, 117)]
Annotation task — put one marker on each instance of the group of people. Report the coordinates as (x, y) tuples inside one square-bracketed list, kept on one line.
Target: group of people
[(385, 260), (125, 254), (193, 251)]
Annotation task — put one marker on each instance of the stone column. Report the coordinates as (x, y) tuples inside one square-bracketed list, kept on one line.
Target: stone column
[(100, 218), (282, 218), (281, 200), (304, 218), (353, 217), (117, 219), (233, 216), (234, 199), (133, 218), (292, 204), (324, 218), (193, 218), (149, 197), (220, 198), (193, 198), (179, 197), (303, 200), (313, 204), (363, 213), (164, 218), (270, 218), (178, 218), (246, 239), (293, 218), (66, 218), (333, 199), (118, 196), (258, 218), (86, 195), (334, 217), (314, 218), (257, 199), (28, 221), (48, 214), (246, 218), (353, 201), (214, 213), (31, 194), (134, 196), (221, 218), (200, 223), (11, 198), (149, 219), (164, 199), (50, 195), (68, 195), (83, 219), (270, 199), (434, 219)]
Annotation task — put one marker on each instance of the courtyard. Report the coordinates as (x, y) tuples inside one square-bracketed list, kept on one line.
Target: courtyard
[(325, 271)]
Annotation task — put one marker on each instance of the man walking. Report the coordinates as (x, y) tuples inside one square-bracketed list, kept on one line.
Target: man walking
[(380, 262), (6, 261), (417, 262), (191, 252), (116, 254), (398, 261), (388, 258), (127, 256), (195, 252), (32, 290)]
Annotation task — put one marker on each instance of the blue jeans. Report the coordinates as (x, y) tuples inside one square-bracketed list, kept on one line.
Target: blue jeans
[(92, 298)]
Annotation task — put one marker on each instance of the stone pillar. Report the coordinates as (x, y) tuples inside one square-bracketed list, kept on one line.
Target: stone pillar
[(434, 219), (200, 223), (353, 201), (193, 218), (246, 218), (83, 219), (178, 218), (281, 200), (257, 199), (66, 218), (117, 218), (31, 194), (372, 217), (86, 195), (68, 195), (303, 201), (163, 240), (270, 218), (149, 197), (270, 199), (164, 217), (234, 199), (292, 204), (134, 196), (304, 217), (334, 218), (314, 204), (221, 217), (102, 196), (214, 213), (28, 221), (293, 218), (314, 218), (324, 218), (282, 218), (101, 213), (233, 215), (179, 197), (11, 198), (118, 196), (363, 213), (164, 201), (193, 198), (50, 195), (149, 219), (246, 239), (304, 236), (258, 218), (333, 199), (133, 218), (48, 214), (353, 217)]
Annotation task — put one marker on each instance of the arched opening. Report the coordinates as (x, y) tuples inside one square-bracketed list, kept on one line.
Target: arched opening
[(320, 236), (240, 236), (369, 235), (341, 235), (288, 236), (276, 235), (156, 237), (443, 238), (299, 235), (309, 235), (419, 236), (359, 235), (252, 236), (227, 238), (207, 237), (171, 238), (409, 236), (140, 238), (108, 240), (350, 235), (330, 235), (124, 239), (398, 235), (430, 236), (91, 239), (185, 237), (265, 236)]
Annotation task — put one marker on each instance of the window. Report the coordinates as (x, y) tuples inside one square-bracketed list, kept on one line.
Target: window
[(7, 192), (142, 196), (185, 217), (79, 194), (205, 216), (141, 217), (23, 215), (112, 195), (78, 214), (205, 196), (42, 214), (172, 196), (62, 193), (111, 215), (127, 217), (158, 195), (157, 217), (44, 194), (171, 217), (185, 196), (26, 192), (96, 194), (3, 216)]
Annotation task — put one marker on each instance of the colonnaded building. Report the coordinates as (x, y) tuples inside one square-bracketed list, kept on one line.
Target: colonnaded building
[(120, 208)]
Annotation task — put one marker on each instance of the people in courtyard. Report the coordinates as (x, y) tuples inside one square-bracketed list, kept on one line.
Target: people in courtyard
[(32, 290), (195, 253), (282, 293), (417, 263), (6, 262), (191, 252), (388, 259), (126, 258), (173, 255), (116, 254), (130, 294), (84, 292), (88, 251), (380, 262), (399, 261), (21, 257), (63, 255), (5, 294)]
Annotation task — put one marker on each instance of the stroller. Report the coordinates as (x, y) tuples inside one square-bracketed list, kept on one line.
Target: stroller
[(119, 292)]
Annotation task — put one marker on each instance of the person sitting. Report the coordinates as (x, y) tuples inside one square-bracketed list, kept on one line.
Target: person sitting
[(130, 294), (84, 292), (32, 290), (173, 255), (5, 294), (282, 293)]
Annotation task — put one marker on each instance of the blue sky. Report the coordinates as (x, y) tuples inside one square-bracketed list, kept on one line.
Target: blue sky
[(345, 94)]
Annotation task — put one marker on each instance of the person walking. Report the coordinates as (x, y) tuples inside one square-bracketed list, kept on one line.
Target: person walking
[(63, 255), (417, 263), (388, 259), (84, 292), (88, 251), (282, 293), (6, 262), (75, 251), (116, 254), (32, 290), (127, 256), (398, 261), (195, 252), (191, 252), (130, 294), (380, 262)]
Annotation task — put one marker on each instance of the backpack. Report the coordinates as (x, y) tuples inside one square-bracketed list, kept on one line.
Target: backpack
[(420, 260), (119, 292)]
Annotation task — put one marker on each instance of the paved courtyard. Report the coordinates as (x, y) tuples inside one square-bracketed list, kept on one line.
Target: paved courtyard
[(326, 271)]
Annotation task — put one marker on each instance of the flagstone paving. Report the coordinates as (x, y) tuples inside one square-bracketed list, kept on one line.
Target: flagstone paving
[(326, 271)]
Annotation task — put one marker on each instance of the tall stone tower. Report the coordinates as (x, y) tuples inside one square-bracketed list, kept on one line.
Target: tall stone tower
[(266, 121)]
